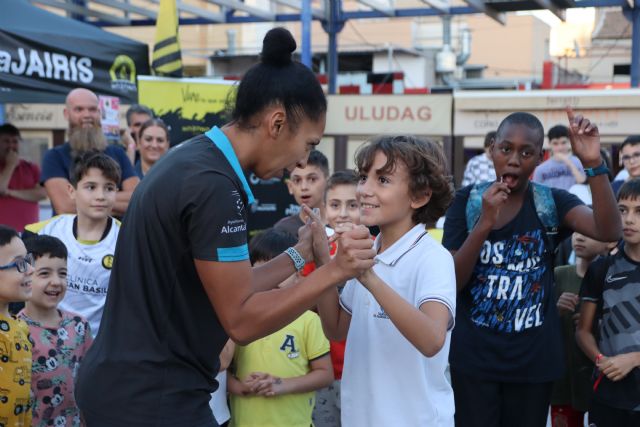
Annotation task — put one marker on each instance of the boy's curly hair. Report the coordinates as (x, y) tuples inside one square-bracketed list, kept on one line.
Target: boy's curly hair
[(426, 167)]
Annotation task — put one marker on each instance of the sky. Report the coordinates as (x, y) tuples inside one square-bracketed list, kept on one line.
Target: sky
[(566, 36)]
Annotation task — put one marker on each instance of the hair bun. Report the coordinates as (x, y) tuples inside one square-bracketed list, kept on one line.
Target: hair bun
[(277, 47)]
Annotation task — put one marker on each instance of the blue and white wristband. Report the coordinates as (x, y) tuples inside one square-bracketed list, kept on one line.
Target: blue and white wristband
[(298, 261)]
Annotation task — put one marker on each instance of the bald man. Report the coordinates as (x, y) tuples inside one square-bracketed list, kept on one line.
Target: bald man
[(82, 112)]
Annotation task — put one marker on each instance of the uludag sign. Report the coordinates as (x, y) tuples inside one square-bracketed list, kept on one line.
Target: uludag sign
[(385, 114)]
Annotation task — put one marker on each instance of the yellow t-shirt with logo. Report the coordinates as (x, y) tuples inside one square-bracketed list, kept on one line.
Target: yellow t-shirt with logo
[(15, 372), (285, 354)]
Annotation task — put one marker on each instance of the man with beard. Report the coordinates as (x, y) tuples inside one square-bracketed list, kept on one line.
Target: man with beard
[(82, 112), (20, 188)]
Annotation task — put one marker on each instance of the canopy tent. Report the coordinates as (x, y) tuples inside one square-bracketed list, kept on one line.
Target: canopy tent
[(43, 56)]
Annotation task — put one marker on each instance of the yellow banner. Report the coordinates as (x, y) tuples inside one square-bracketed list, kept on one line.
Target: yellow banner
[(189, 106)]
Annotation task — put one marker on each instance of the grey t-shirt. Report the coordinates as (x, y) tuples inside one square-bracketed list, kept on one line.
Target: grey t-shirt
[(556, 174), (613, 283)]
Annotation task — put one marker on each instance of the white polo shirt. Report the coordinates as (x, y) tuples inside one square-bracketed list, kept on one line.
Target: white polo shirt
[(386, 381)]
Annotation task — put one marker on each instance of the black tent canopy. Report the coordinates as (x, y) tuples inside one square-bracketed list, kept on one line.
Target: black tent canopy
[(43, 56)]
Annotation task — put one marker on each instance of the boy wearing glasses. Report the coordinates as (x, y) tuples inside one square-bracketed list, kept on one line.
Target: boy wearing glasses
[(16, 269), (90, 236), (630, 159)]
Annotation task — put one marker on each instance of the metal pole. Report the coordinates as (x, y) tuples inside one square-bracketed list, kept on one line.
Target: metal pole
[(332, 59), (306, 32), (635, 46), (333, 24), (333, 62), (78, 16)]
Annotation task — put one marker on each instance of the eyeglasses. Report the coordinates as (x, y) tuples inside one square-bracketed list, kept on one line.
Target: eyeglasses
[(21, 264), (635, 156)]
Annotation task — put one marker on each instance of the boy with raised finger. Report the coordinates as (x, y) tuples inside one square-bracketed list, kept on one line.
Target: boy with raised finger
[(506, 349)]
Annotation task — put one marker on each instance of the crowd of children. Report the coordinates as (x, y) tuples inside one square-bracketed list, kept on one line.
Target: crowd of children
[(375, 349), (62, 272), (511, 357)]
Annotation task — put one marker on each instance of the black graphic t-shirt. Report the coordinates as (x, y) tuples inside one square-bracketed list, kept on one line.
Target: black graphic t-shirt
[(507, 327), (613, 283), (154, 361)]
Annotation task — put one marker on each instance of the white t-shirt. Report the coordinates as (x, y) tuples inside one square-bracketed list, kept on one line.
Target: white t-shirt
[(386, 381), (583, 191), (622, 175), (218, 402), (88, 267)]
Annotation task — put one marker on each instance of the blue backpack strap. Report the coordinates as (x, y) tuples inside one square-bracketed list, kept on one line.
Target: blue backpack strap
[(546, 207), (542, 199), (474, 203)]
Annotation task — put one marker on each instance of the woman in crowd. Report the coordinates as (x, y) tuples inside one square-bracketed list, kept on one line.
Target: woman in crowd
[(152, 144)]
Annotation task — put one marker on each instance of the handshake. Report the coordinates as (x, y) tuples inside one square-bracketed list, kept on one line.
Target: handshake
[(355, 254)]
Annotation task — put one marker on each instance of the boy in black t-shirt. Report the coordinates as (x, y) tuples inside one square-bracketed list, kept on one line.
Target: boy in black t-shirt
[(307, 186), (611, 299), (506, 349), (572, 393)]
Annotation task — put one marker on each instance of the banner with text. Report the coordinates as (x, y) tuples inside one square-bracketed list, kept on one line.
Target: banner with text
[(614, 111), (188, 106), (384, 114), (43, 56)]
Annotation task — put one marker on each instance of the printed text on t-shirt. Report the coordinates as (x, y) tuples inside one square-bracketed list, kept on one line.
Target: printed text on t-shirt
[(507, 288)]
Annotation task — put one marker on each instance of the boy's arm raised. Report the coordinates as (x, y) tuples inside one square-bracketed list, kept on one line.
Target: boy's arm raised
[(603, 223), (465, 258), (425, 328), (335, 321)]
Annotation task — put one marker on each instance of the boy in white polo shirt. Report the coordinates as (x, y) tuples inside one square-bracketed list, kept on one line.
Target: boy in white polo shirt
[(397, 317)]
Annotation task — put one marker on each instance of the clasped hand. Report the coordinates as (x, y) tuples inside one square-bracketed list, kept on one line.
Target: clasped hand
[(355, 247), (262, 384)]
